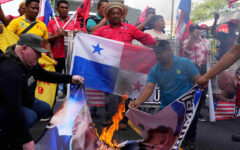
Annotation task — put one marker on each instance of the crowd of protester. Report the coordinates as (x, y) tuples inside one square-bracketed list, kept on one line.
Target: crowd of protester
[(174, 75)]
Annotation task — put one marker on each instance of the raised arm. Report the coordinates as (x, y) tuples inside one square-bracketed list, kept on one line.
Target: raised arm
[(213, 30)]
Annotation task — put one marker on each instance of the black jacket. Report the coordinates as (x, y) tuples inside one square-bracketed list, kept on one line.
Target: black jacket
[(16, 91)]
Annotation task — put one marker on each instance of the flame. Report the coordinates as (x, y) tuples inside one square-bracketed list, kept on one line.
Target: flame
[(107, 134)]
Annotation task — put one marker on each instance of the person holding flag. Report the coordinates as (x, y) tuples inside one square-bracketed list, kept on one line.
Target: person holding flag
[(119, 31), (18, 108), (57, 29)]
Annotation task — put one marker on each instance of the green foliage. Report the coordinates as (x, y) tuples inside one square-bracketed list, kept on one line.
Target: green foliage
[(206, 9)]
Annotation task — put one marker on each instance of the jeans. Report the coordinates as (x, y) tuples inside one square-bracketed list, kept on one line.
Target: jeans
[(39, 110)]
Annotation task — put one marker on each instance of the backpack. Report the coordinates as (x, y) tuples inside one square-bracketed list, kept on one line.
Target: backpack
[(93, 18)]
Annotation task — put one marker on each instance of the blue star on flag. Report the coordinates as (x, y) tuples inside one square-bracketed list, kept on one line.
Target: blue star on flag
[(97, 49)]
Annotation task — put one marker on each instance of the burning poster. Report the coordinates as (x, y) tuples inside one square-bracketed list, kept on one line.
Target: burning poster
[(165, 129), (71, 127)]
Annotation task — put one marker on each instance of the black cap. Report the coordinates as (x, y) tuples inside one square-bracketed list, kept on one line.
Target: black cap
[(193, 27), (160, 45), (33, 41)]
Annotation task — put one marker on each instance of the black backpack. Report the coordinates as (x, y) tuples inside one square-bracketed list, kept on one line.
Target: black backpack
[(93, 18)]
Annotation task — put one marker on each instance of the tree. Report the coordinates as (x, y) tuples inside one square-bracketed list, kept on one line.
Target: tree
[(206, 9)]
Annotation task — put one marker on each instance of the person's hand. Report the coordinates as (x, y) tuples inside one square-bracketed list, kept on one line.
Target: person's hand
[(149, 16), (1, 28), (134, 104), (77, 79), (61, 32), (29, 146), (216, 16), (203, 81)]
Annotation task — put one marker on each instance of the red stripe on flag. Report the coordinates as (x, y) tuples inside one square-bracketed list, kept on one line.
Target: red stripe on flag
[(225, 110), (132, 55), (225, 107), (4, 1)]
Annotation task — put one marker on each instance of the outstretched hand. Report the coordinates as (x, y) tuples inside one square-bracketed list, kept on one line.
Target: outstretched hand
[(203, 82), (134, 104), (77, 79)]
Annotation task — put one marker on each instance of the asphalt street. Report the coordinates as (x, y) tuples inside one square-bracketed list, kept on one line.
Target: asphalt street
[(210, 136)]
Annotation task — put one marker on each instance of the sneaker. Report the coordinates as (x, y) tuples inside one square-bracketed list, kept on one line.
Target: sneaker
[(45, 119), (61, 95), (236, 137), (202, 119)]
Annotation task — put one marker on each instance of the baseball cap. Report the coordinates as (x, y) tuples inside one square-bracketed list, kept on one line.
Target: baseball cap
[(233, 21), (193, 27), (33, 41), (161, 45), (203, 26)]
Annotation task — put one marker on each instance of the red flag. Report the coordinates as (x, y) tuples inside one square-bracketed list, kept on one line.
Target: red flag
[(82, 14), (4, 1), (142, 16), (184, 37), (230, 3)]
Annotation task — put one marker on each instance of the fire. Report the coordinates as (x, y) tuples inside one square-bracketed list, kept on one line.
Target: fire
[(107, 134)]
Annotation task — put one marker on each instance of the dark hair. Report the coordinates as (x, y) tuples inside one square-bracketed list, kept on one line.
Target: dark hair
[(161, 45), (62, 1), (29, 1), (150, 8), (193, 27), (100, 3), (153, 20)]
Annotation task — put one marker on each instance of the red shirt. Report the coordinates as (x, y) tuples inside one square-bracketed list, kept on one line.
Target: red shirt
[(57, 46), (125, 33)]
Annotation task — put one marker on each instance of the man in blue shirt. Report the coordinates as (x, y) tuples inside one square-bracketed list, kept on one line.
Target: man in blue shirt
[(174, 75), (95, 22)]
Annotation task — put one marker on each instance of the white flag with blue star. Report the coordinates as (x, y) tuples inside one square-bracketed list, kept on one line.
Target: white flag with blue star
[(111, 66)]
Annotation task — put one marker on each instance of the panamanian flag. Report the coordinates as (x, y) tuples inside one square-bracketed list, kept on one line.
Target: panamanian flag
[(111, 66), (183, 15), (45, 11)]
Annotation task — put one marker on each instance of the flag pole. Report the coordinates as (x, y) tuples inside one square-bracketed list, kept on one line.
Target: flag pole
[(54, 17), (210, 94), (69, 20), (172, 17)]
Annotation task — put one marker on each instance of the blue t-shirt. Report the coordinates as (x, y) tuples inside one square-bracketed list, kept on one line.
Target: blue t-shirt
[(173, 82)]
